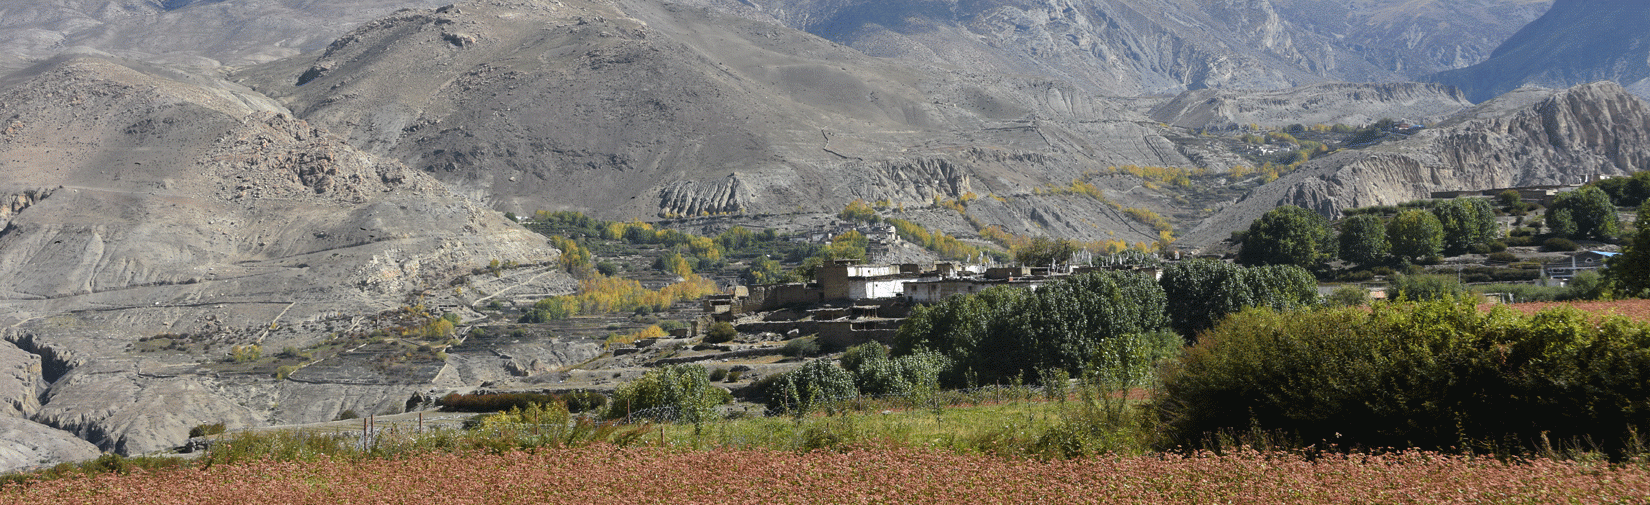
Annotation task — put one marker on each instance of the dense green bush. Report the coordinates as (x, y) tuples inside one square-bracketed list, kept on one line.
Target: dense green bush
[(1423, 287), (720, 331), (807, 388), (1200, 292), (800, 347), (1350, 295), (1003, 334), (1434, 375), (910, 373), (684, 393), (1559, 244)]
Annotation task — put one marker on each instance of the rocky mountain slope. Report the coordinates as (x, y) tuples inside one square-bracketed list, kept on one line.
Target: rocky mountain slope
[(1577, 41), (141, 204), (1133, 47), (1337, 103), (182, 32), (1529, 137)]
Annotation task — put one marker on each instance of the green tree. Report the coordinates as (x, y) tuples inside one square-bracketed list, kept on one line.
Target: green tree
[(1414, 234), (1287, 235), (1466, 221), (1629, 272), (1593, 213), (1004, 333), (680, 392), (1201, 292), (1510, 199), (1363, 240)]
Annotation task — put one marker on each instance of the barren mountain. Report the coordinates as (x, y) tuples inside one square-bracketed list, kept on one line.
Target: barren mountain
[(1338, 103), (659, 110), (1578, 41), (138, 204), (1528, 137), (1132, 47), (184, 32)]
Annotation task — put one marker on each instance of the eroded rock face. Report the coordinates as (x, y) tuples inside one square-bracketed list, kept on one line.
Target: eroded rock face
[(20, 381), (126, 411), (194, 207), (26, 445), (1533, 137)]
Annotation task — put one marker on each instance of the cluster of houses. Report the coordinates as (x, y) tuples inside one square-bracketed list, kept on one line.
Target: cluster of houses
[(850, 303), (847, 280)]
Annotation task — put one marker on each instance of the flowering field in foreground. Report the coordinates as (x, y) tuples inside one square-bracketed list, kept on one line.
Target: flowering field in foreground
[(600, 475)]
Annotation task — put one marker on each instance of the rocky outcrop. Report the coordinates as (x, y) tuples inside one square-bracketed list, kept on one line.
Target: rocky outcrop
[(116, 405), (184, 208), (26, 445), (20, 381), (1339, 103), (1523, 139)]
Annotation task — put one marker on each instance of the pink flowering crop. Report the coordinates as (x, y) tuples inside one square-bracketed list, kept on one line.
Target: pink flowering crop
[(601, 475)]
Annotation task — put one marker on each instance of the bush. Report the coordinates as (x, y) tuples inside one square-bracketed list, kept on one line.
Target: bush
[(206, 430), (1435, 376), (347, 414), (807, 388), (1423, 287), (1558, 244), (718, 374), (1350, 295), (721, 331), (1503, 257), (800, 347), (881, 375), (676, 393)]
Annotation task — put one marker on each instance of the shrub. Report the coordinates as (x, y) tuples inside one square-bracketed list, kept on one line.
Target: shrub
[(1503, 257), (676, 393), (346, 415), (206, 430), (800, 347), (1558, 244), (1423, 287), (807, 388), (1435, 375), (881, 375), (720, 331), (718, 374), (852, 358), (1350, 295), (285, 371)]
